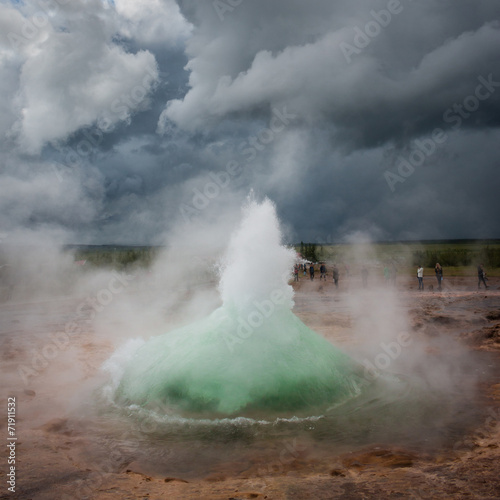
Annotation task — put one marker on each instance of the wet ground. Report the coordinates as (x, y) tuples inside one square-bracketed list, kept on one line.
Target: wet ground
[(434, 433)]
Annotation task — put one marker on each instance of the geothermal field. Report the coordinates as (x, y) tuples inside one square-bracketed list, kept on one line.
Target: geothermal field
[(220, 377), (240, 247)]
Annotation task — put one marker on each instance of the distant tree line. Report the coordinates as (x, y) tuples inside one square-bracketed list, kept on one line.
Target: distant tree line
[(490, 257), (118, 258), (309, 251)]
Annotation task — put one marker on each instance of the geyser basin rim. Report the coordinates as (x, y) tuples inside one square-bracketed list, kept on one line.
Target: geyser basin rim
[(237, 421)]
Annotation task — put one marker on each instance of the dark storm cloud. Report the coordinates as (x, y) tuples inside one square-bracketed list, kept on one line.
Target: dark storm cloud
[(375, 83), (365, 93), (379, 116)]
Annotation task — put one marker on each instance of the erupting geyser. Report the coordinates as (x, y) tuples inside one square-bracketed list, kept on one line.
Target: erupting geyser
[(252, 353)]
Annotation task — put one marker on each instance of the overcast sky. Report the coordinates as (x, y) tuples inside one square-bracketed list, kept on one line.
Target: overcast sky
[(123, 121)]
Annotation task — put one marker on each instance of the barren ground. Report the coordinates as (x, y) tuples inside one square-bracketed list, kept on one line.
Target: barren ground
[(58, 456)]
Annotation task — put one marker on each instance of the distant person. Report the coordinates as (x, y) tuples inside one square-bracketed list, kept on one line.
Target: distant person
[(296, 272), (311, 271), (305, 269), (394, 273), (481, 276), (335, 273), (387, 274), (322, 271), (439, 274), (364, 276), (420, 276)]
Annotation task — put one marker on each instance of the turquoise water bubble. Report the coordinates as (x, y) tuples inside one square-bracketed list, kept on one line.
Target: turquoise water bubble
[(250, 355), (216, 365)]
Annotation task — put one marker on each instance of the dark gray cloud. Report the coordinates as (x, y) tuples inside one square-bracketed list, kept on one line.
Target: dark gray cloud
[(118, 123)]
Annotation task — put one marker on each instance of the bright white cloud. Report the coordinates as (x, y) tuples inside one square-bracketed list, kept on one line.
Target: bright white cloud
[(152, 21), (71, 74)]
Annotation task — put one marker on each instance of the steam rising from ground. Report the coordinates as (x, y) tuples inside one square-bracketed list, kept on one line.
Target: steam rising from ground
[(386, 340), (111, 307)]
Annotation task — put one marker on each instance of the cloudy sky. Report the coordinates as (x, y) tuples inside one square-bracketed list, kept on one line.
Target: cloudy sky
[(122, 120)]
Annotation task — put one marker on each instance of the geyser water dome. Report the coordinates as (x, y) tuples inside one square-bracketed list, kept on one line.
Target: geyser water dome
[(252, 353)]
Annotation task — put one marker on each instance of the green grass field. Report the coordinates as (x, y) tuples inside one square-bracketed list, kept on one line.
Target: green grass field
[(458, 258), (115, 256)]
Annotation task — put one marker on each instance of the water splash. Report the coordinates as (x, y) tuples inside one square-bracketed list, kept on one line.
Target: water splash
[(250, 355)]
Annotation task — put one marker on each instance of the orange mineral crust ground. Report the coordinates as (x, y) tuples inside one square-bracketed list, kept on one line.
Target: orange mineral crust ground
[(70, 447)]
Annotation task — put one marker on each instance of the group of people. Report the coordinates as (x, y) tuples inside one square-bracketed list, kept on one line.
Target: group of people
[(389, 274), (438, 270), (322, 272)]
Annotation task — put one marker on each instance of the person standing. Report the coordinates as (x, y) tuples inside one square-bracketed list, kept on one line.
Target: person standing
[(296, 272), (335, 273), (420, 276), (387, 274), (322, 270), (439, 274), (481, 276), (364, 276), (311, 271), (394, 273)]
